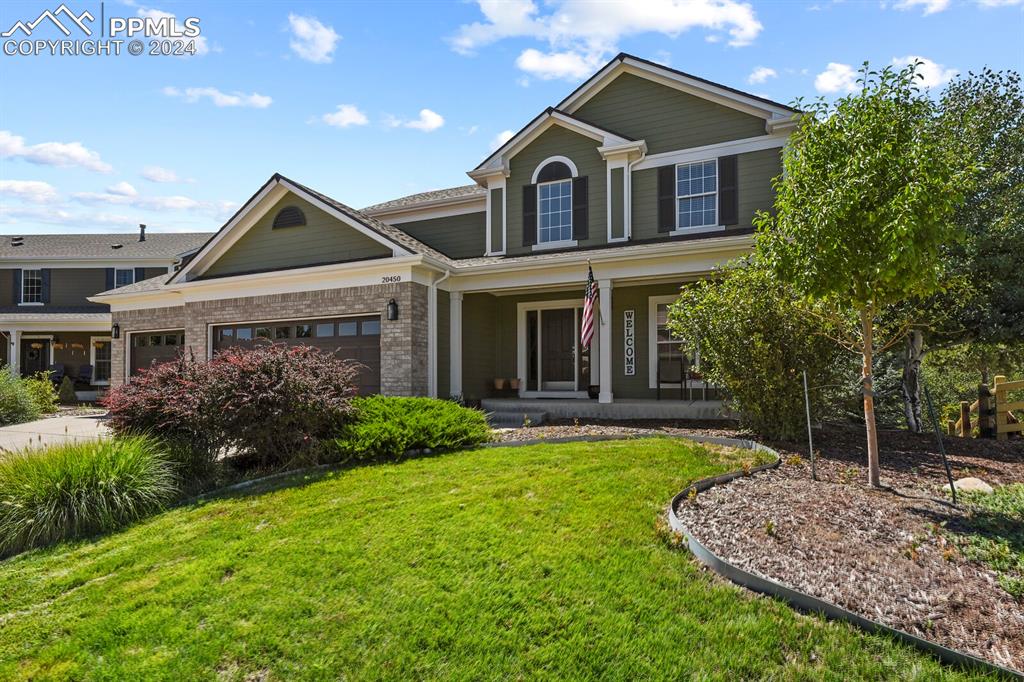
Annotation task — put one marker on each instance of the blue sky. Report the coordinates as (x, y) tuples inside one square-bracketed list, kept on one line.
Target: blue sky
[(370, 101)]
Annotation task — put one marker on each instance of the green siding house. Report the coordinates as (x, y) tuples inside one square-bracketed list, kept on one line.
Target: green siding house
[(647, 176)]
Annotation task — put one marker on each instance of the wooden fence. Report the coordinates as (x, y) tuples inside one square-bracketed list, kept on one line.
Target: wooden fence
[(993, 411)]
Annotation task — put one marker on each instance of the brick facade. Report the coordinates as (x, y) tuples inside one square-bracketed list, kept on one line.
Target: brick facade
[(403, 342)]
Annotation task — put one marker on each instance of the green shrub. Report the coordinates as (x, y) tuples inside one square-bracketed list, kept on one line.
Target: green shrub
[(16, 402), (388, 427), (755, 338), (80, 489), (66, 394), (44, 395)]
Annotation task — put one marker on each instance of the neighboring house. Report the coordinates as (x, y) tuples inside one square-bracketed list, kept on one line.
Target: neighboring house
[(46, 318), (649, 174)]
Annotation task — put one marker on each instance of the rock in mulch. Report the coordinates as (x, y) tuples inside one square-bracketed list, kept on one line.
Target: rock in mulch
[(880, 553), (971, 484)]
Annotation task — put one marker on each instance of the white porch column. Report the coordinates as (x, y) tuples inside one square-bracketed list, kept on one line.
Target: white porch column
[(14, 352), (605, 339), (455, 343)]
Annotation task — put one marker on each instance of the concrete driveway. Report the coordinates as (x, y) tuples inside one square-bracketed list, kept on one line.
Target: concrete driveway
[(51, 431)]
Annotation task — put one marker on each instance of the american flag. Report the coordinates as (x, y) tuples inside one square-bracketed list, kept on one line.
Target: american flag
[(589, 301)]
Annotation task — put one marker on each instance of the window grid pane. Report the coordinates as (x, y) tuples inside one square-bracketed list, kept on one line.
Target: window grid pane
[(555, 212), (31, 286), (123, 278), (696, 192)]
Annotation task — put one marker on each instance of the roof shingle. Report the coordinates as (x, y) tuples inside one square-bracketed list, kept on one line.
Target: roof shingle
[(437, 195), (91, 246)]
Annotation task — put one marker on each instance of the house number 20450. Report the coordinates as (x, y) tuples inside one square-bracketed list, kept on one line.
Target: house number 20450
[(390, 279)]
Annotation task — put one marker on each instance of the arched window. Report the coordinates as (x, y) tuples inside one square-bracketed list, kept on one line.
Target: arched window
[(554, 183), (289, 216)]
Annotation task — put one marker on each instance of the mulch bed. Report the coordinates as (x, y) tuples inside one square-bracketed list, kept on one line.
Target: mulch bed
[(880, 553)]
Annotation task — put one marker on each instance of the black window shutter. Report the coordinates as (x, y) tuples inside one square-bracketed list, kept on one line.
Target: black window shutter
[(17, 286), (728, 191), (529, 215), (110, 279), (666, 198), (580, 208), (45, 275), (140, 274)]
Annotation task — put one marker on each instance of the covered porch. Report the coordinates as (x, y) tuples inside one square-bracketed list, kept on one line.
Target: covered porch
[(76, 345)]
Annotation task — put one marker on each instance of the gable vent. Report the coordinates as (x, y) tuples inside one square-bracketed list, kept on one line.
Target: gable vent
[(289, 216)]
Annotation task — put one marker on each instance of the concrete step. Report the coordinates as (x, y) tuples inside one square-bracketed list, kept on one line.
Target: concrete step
[(508, 419)]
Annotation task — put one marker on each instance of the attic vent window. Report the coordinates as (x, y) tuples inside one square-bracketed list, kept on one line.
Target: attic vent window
[(289, 216)]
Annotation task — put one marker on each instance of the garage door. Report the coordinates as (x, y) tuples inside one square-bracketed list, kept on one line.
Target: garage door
[(153, 348), (350, 338)]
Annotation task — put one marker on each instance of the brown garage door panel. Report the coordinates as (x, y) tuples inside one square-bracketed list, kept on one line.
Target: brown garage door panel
[(153, 348), (350, 338)]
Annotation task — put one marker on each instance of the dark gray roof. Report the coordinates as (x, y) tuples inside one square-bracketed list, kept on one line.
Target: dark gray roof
[(449, 193), (74, 246), (83, 313), (151, 284)]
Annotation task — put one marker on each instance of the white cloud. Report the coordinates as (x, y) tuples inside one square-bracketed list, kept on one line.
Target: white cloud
[(567, 65), (579, 32), (932, 74), (166, 203), (836, 78), (428, 121), (930, 6), (346, 115), (62, 154), (761, 74), (999, 3), (311, 40), (123, 189), (501, 138), (34, 191), (159, 174), (220, 99), (166, 22)]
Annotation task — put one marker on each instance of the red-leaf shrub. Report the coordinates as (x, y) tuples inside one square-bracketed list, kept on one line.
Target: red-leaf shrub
[(274, 402)]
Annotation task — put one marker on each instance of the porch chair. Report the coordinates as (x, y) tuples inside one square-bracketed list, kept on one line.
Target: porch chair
[(673, 371), (56, 373), (84, 377)]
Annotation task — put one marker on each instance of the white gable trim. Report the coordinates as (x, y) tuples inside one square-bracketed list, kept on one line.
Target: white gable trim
[(672, 79), (499, 159), (564, 159), (256, 208)]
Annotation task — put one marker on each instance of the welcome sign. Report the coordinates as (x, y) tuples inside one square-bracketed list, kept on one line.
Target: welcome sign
[(629, 347)]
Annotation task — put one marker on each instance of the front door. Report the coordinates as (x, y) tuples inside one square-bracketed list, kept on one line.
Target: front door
[(558, 349), (35, 356)]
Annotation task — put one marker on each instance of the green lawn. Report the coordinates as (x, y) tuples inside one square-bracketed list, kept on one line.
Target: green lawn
[(536, 562)]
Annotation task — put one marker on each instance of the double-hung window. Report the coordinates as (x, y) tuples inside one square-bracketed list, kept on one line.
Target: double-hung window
[(697, 194), (123, 277), (31, 286), (554, 211)]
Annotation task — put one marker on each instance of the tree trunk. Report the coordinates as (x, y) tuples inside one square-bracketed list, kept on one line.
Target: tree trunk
[(911, 380), (867, 323)]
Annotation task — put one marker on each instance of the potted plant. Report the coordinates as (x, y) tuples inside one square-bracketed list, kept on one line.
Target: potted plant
[(499, 384), (593, 391), (513, 384)]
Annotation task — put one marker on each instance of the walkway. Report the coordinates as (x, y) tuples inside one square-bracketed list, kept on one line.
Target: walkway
[(51, 431)]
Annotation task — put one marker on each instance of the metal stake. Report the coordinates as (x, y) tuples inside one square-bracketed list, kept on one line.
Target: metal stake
[(810, 438), (938, 436)]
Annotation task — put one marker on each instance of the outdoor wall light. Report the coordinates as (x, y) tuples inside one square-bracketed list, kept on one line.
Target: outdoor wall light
[(392, 310), (115, 331)]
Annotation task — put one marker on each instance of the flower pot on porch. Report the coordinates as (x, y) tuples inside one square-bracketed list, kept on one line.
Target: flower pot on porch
[(499, 384), (513, 384), (593, 391)]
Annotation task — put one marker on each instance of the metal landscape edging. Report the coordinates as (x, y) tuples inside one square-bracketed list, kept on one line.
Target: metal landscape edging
[(801, 600)]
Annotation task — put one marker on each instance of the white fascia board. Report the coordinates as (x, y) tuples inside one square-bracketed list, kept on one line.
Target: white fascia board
[(638, 147), (57, 325), (501, 157), (653, 267), (708, 91), (228, 235), (710, 151)]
